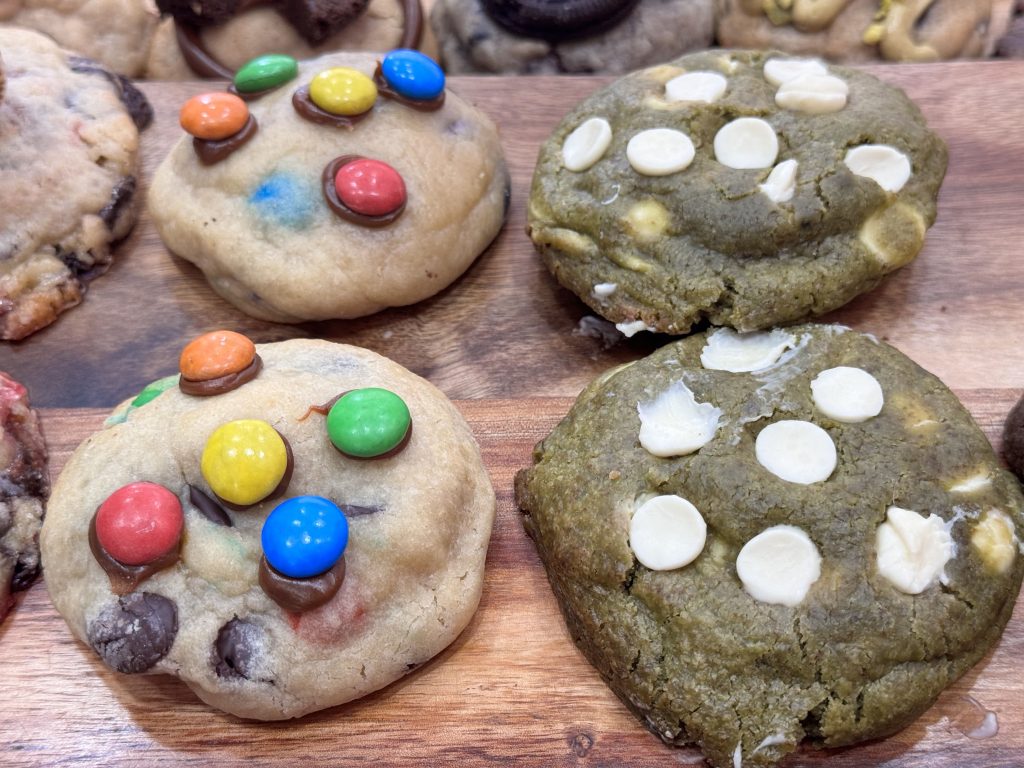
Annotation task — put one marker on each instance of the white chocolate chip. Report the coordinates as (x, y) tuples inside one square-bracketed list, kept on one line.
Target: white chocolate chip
[(847, 394), (660, 152), (631, 329), (912, 550), (667, 532), (779, 565), (813, 94), (706, 87), (889, 167), (975, 482), (587, 144), (745, 143), (780, 186), (796, 451), (604, 290), (675, 424), (727, 350), (996, 540), (778, 71)]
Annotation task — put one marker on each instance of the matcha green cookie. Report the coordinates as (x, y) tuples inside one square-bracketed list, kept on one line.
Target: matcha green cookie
[(765, 538), (746, 189)]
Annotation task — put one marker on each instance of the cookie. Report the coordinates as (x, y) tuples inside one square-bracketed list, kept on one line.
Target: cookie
[(1011, 43), (864, 30), (581, 37), (24, 486), (306, 528), (767, 538), (397, 188), (69, 139), (745, 189), (212, 39), (1013, 440)]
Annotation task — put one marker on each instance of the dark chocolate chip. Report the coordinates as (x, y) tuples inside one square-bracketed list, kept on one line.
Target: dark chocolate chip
[(316, 20), (26, 570), (236, 649), (120, 197), (134, 633), (208, 507), (557, 19), (132, 98)]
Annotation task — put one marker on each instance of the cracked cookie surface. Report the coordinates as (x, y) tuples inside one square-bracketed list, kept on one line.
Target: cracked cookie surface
[(703, 653), (702, 234), (69, 135), (419, 522)]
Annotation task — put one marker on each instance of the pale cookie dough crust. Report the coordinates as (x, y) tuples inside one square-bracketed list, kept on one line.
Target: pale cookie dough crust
[(698, 659), (705, 243), (303, 262), (69, 135), (414, 566)]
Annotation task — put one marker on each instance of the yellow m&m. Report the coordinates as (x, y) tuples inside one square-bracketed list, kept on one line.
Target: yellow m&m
[(343, 91), (244, 461)]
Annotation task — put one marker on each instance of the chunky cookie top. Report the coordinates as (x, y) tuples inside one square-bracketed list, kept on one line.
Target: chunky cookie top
[(775, 536), (701, 187)]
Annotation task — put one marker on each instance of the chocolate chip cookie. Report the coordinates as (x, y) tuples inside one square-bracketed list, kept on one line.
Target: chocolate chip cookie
[(745, 189), (863, 30), (574, 36), (24, 486), (336, 188), (285, 527), (69, 139), (767, 538)]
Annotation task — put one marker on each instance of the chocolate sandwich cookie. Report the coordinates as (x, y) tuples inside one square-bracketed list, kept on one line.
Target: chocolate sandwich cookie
[(261, 548), (69, 136), (572, 36), (778, 537)]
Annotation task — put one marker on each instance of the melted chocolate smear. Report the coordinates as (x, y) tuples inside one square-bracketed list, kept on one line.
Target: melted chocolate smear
[(120, 198), (125, 578), (208, 507), (308, 110), (281, 486), (324, 409), (133, 99), (335, 204), (135, 633), (252, 95), (236, 650), (221, 384), (211, 152), (384, 89), (301, 595), (556, 20), (354, 510)]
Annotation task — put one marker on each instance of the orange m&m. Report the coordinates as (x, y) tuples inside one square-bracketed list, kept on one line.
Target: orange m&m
[(214, 116), (216, 354)]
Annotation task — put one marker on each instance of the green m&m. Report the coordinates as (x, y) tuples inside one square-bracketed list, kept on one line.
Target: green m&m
[(265, 72), (370, 422)]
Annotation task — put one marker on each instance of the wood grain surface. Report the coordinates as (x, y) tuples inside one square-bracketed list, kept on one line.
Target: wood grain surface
[(506, 330), (511, 690)]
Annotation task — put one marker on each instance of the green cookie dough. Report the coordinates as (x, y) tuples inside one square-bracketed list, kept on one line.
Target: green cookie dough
[(664, 253), (692, 651)]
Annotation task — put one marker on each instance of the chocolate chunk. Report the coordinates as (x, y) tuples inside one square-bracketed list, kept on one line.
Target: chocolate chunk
[(132, 98), (209, 508), (135, 633), (236, 649), (557, 19), (120, 197)]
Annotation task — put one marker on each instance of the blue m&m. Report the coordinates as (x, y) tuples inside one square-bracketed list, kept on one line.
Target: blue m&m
[(412, 74), (304, 536)]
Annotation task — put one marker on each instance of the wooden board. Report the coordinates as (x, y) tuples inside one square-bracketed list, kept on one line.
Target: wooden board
[(506, 330), (511, 690)]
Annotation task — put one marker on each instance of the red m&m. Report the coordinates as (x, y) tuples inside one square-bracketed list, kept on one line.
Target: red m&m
[(370, 187), (139, 523)]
